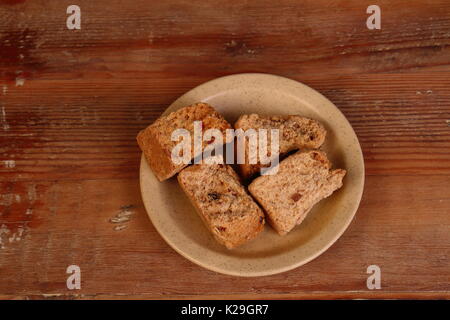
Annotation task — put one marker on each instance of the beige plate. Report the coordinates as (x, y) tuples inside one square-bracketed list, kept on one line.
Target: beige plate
[(177, 222)]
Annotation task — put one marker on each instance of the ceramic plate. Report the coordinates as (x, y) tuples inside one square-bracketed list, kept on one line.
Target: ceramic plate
[(180, 226)]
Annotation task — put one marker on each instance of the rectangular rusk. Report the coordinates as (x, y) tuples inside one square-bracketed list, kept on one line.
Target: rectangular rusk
[(295, 132), (224, 205), (156, 143), (302, 180)]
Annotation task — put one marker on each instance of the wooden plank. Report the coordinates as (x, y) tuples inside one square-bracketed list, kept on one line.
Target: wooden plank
[(298, 296), (403, 229), (87, 93), (168, 38), (69, 129)]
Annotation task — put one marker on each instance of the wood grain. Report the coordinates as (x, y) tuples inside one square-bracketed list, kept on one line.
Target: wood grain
[(72, 102), (70, 223)]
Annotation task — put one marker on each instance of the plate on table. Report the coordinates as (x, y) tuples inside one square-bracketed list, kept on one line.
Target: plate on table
[(180, 226)]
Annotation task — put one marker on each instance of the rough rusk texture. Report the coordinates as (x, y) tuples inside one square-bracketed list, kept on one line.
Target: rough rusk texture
[(303, 179), (296, 132), (222, 202), (155, 141)]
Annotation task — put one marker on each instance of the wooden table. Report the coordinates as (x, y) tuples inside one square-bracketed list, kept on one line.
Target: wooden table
[(72, 102)]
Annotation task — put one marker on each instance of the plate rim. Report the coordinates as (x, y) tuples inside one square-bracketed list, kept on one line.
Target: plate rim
[(269, 271)]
